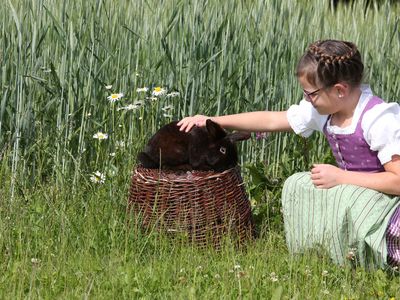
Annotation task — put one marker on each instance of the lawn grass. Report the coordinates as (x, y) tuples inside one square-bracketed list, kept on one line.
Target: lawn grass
[(64, 244)]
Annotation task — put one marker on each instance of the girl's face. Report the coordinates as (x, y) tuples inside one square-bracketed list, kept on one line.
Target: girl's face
[(324, 100)]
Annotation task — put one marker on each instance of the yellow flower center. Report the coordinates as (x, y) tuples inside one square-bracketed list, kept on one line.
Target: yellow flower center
[(157, 89)]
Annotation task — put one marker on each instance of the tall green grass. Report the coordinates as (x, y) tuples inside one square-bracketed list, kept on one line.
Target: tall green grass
[(63, 236), (222, 57)]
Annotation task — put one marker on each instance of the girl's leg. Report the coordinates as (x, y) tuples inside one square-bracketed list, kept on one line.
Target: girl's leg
[(348, 221)]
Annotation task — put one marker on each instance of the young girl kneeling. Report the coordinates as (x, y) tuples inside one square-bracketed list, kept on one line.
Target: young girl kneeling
[(351, 209)]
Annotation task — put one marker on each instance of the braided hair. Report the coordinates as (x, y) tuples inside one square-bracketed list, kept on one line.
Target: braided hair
[(328, 62)]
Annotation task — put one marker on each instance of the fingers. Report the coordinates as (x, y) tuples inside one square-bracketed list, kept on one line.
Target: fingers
[(186, 124), (319, 183)]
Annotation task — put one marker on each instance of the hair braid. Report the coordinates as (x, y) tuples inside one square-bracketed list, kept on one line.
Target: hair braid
[(333, 61)]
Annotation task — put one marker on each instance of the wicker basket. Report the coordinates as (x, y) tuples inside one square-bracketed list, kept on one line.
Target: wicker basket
[(204, 206)]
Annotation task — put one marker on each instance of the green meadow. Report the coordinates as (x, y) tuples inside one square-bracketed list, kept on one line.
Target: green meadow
[(67, 150)]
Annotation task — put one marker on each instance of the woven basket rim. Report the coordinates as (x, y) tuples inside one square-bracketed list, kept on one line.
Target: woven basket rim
[(180, 176)]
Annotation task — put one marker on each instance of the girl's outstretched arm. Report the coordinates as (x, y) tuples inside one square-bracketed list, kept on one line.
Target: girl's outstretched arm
[(263, 121)]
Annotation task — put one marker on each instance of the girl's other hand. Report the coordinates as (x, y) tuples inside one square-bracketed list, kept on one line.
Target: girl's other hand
[(325, 176), (187, 123)]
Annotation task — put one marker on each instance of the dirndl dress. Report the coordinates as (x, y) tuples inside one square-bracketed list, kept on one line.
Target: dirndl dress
[(350, 222)]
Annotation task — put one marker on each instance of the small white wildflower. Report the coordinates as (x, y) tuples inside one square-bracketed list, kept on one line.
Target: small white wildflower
[(35, 260), (112, 154), (236, 267), (88, 115), (100, 136), (115, 97), (129, 107), (98, 177), (142, 90), (166, 108), (120, 144), (217, 276), (273, 277), (159, 91), (173, 94), (199, 268), (137, 74), (108, 87)]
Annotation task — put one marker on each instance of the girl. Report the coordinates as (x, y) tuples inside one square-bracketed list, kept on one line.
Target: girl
[(346, 208)]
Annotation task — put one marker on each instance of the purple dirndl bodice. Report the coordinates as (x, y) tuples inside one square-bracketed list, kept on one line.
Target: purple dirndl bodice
[(352, 153)]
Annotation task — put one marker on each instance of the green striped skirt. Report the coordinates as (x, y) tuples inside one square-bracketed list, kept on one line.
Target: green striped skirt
[(348, 221)]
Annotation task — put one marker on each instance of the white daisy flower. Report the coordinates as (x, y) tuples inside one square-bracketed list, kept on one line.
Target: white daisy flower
[(112, 154), (115, 97), (159, 91), (98, 177), (143, 89), (173, 94), (108, 87), (100, 136)]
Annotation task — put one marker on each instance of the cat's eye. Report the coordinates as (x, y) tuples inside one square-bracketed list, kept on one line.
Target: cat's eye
[(222, 150)]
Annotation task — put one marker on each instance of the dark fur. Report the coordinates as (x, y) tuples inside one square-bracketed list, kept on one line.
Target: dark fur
[(202, 148)]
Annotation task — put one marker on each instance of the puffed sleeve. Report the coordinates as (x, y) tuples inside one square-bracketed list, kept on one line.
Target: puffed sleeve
[(381, 125), (304, 118)]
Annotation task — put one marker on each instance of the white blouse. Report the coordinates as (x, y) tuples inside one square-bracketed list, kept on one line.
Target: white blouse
[(380, 124)]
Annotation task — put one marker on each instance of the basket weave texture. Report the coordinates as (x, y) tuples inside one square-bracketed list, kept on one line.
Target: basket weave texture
[(202, 205)]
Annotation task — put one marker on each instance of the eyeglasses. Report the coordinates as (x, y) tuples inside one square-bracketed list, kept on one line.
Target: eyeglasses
[(308, 95)]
